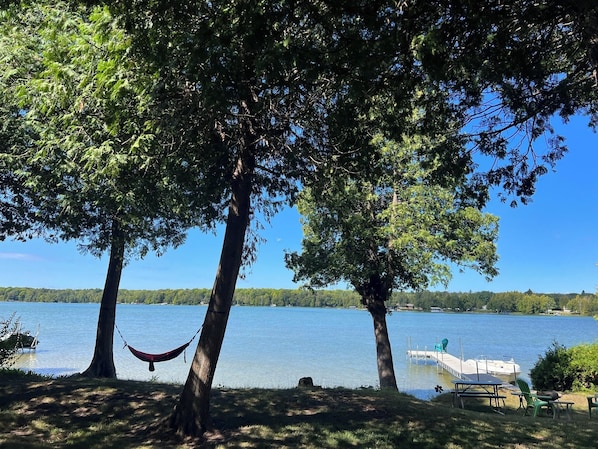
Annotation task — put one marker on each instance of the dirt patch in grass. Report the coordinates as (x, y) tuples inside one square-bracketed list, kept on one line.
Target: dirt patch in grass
[(86, 413)]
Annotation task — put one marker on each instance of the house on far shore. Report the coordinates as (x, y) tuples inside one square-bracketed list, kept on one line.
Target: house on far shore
[(405, 307)]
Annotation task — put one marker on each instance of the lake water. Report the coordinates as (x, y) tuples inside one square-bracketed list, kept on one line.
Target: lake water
[(272, 347)]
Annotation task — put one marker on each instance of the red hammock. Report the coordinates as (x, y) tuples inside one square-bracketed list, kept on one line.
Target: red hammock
[(151, 358)]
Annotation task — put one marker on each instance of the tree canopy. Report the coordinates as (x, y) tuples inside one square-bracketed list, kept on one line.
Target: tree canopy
[(399, 226), (517, 64), (88, 159)]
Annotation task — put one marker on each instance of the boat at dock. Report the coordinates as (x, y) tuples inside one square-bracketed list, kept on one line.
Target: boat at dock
[(496, 367)]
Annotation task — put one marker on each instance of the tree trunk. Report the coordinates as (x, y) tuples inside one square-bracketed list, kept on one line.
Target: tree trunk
[(374, 293), (386, 370), (102, 364), (192, 413)]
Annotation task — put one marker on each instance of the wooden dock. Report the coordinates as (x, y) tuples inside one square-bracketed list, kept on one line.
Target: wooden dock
[(463, 369)]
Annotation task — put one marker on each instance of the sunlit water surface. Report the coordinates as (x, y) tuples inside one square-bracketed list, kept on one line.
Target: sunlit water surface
[(272, 347)]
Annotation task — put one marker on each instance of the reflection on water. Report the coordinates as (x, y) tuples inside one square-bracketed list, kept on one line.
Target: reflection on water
[(274, 347)]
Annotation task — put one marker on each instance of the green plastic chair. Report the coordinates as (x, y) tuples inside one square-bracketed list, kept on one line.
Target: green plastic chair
[(441, 347), (531, 399), (593, 404)]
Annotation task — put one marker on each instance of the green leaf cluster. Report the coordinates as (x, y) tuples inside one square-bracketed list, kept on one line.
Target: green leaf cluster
[(566, 369), (8, 349), (584, 304), (88, 153), (398, 227)]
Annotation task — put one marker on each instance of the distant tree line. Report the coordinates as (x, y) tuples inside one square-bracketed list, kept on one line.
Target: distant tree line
[(529, 303), (484, 301)]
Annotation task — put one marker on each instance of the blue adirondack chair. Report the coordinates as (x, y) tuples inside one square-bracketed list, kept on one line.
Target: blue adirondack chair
[(441, 347)]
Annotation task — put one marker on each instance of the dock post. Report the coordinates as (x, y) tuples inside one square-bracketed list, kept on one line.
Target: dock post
[(461, 359)]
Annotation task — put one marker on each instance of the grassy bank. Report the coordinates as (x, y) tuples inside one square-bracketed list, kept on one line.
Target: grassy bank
[(72, 413)]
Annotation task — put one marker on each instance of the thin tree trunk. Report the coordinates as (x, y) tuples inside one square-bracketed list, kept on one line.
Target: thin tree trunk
[(386, 370), (374, 294), (192, 413), (102, 363)]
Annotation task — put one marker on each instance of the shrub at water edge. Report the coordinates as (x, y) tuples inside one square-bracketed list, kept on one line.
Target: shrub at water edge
[(566, 369), (8, 351)]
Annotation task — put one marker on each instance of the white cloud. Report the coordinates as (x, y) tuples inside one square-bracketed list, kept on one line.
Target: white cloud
[(19, 256)]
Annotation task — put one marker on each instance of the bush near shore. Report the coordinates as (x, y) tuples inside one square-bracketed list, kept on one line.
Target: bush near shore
[(37, 412), (567, 369)]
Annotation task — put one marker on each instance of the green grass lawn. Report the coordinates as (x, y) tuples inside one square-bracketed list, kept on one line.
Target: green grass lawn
[(38, 413)]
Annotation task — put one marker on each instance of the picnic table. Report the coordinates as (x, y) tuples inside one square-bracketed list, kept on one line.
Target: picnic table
[(486, 388)]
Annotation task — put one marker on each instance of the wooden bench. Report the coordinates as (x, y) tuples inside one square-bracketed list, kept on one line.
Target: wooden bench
[(479, 388), (496, 398)]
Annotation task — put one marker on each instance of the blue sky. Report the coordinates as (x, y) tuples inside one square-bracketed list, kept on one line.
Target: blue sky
[(548, 246)]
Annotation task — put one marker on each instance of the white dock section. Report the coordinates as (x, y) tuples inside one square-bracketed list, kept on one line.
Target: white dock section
[(463, 369), (448, 362)]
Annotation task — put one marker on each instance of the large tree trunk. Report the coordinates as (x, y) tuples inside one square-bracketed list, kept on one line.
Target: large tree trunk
[(192, 413), (102, 364)]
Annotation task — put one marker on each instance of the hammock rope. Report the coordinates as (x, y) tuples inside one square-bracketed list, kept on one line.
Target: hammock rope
[(154, 358)]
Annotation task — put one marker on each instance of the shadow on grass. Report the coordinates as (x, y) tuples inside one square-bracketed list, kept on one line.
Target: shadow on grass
[(90, 413), (353, 418), (84, 413)]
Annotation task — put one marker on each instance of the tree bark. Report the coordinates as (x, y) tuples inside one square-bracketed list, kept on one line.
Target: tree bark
[(192, 413), (386, 370), (102, 363), (374, 294)]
